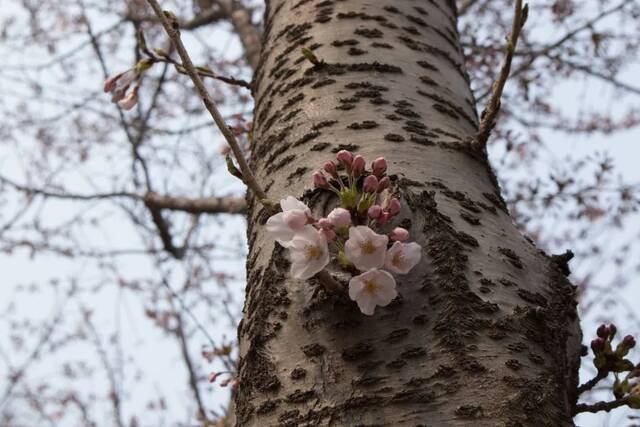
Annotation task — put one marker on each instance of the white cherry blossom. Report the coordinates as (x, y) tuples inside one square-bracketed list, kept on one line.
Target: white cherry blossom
[(293, 218), (365, 248), (308, 251), (402, 257), (375, 287)]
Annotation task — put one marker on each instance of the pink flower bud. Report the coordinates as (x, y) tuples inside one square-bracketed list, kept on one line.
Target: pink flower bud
[(319, 180), (383, 218), (324, 223), (358, 165), (394, 207), (130, 101), (374, 212), (295, 219), (602, 331), (330, 168), (345, 157), (110, 83), (597, 345), (629, 341), (340, 217), (399, 234), (383, 184), (370, 184), (329, 234), (379, 166)]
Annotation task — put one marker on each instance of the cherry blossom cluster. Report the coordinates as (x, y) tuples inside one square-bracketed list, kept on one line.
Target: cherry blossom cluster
[(607, 359), (354, 234), (120, 85)]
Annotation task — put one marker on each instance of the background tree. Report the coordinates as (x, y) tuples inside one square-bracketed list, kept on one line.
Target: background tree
[(76, 170)]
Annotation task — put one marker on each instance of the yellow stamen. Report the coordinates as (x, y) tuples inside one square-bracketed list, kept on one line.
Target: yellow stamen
[(367, 248), (313, 252), (397, 259), (369, 286)]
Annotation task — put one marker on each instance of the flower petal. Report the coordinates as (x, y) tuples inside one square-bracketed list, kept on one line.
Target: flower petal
[(277, 228), (291, 203), (366, 304)]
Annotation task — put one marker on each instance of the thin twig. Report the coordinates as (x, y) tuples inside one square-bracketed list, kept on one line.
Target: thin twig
[(600, 406), (165, 57), (493, 106), (170, 24), (546, 50), (592, 382)]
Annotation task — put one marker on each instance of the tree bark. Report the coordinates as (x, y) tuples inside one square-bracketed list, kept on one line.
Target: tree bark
[(485, 330)]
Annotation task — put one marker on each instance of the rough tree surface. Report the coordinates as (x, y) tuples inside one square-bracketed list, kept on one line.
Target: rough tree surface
[(485, 327)]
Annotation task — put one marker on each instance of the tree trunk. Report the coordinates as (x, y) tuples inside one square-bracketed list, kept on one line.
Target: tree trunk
[(485, 327)]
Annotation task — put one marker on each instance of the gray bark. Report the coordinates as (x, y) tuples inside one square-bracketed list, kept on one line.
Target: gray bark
[(485, 330)]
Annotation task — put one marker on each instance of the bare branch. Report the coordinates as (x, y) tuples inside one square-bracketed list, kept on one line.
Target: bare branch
[(205, 17), (600, 406), (560, 42), (493, 106), (202, 71), (198, 205), (193, 376), (210, 205), (170, 25), (165, 234), (592, 382)]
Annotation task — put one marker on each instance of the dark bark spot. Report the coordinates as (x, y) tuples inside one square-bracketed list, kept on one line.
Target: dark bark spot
[(297, 174), (348, 147), (348, 42), (532, 297), (354, 51), (397, 335), (469, 411), (370, 33), (469, 218), (322, 83), (394, 137), (298, 373), (513, 364), (396, 364), (513, 258), (367, 124), (306, 138), (313, 350), (320, 146), (268, 407), (381, 45), (357, 352), (300, 396), (414, 353)]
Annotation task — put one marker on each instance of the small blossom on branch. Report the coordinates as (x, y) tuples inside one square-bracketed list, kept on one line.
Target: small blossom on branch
[(118, 85), (373, 288), (365, 248), (285, 224), (402, 257), (309, 252)]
